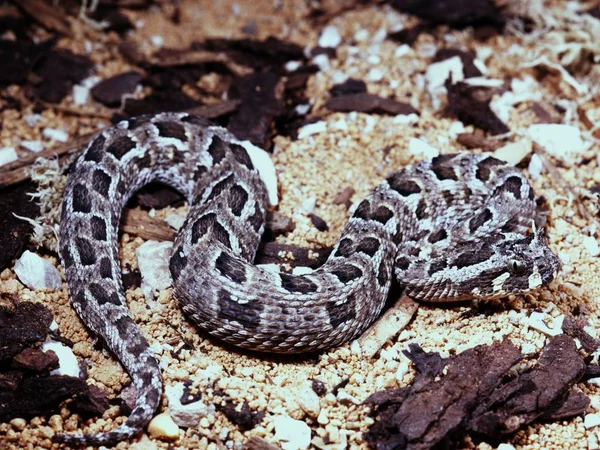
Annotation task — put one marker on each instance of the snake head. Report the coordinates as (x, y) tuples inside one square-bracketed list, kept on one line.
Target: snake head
[(505, 264)]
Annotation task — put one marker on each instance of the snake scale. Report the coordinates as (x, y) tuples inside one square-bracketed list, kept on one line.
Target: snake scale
[(453, 228)]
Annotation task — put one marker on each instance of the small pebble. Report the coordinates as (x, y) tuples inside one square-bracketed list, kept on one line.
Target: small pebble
[(80, 94), (559, 140), (421, 148), (157, 41), (67, 361), (591, 420), (591, 245), (7, 155), (153, 261), (32, 146), (36, 272), (32, 119), (55, 135), (330, 37), (291, 434), (163, 427)]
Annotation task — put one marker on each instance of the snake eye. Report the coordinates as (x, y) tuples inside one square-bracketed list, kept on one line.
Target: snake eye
[(516, 266)]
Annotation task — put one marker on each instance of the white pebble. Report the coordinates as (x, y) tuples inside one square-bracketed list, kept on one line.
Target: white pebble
[(157, 41), (558, 139), (291, 434), (163, 427), (262, 161), (591, 420), (312, 128), (379, 35), (535, 167), (322, 61), (301, 270), (67, 362), (36, 272), (292, 66), (7, 155), (308, 204), (302, 109), (308, 400), (190, 414), (32, 146), (340, 125), (330, 37), (402, 50), (175, 221), (421, 148), (405, 119), (456, 128), (81, 94), (361, 35), (514, 152), (32, 119), (55, 135), (375, 74), (506, 447), (591, 245), (594, 381), (437, 73), (153, 261)]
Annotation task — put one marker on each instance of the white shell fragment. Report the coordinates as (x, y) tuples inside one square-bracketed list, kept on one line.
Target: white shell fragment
[(7, 155), (36, 272), (291, 434), (591, 420), (66, 359), (190, 414), (153, 261), (308, 400), (545, 323), (55, 135), (419, 147), (558, 140), (514, 152)]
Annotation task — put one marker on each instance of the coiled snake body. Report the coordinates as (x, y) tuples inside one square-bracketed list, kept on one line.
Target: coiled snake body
[(453, 228)]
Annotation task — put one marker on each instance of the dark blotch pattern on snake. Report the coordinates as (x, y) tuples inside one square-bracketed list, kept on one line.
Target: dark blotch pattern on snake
[(456, 227)]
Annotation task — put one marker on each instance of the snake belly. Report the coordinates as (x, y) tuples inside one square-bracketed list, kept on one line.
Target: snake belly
[(453, 228)]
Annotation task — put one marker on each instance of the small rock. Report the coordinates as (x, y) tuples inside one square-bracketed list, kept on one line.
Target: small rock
[(32, 119), (506, 447), (157, 41), (421, 148), (559, 140), (291, 434), (67, 362), (7, 155), (55, 135), (35, 359), (153, 261), (163, 427), (375, 75), (591, 420), (535, 167), (514, 152), (175, 221), (36, 272), (32, 146), (189, 414), (591, 245), (312, 128), (330, 37), (81, 94), (309, 400)]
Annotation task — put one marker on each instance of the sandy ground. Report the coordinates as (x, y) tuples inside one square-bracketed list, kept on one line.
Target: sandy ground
[(357, 150)]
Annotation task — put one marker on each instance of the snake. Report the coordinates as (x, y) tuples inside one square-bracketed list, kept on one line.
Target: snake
[(455, 227)]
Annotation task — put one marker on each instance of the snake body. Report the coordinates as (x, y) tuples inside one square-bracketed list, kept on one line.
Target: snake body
[(453, 228)]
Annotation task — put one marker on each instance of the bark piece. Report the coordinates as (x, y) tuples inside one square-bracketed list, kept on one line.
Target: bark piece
[(465, 104), (369, 103), (110, 91)]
